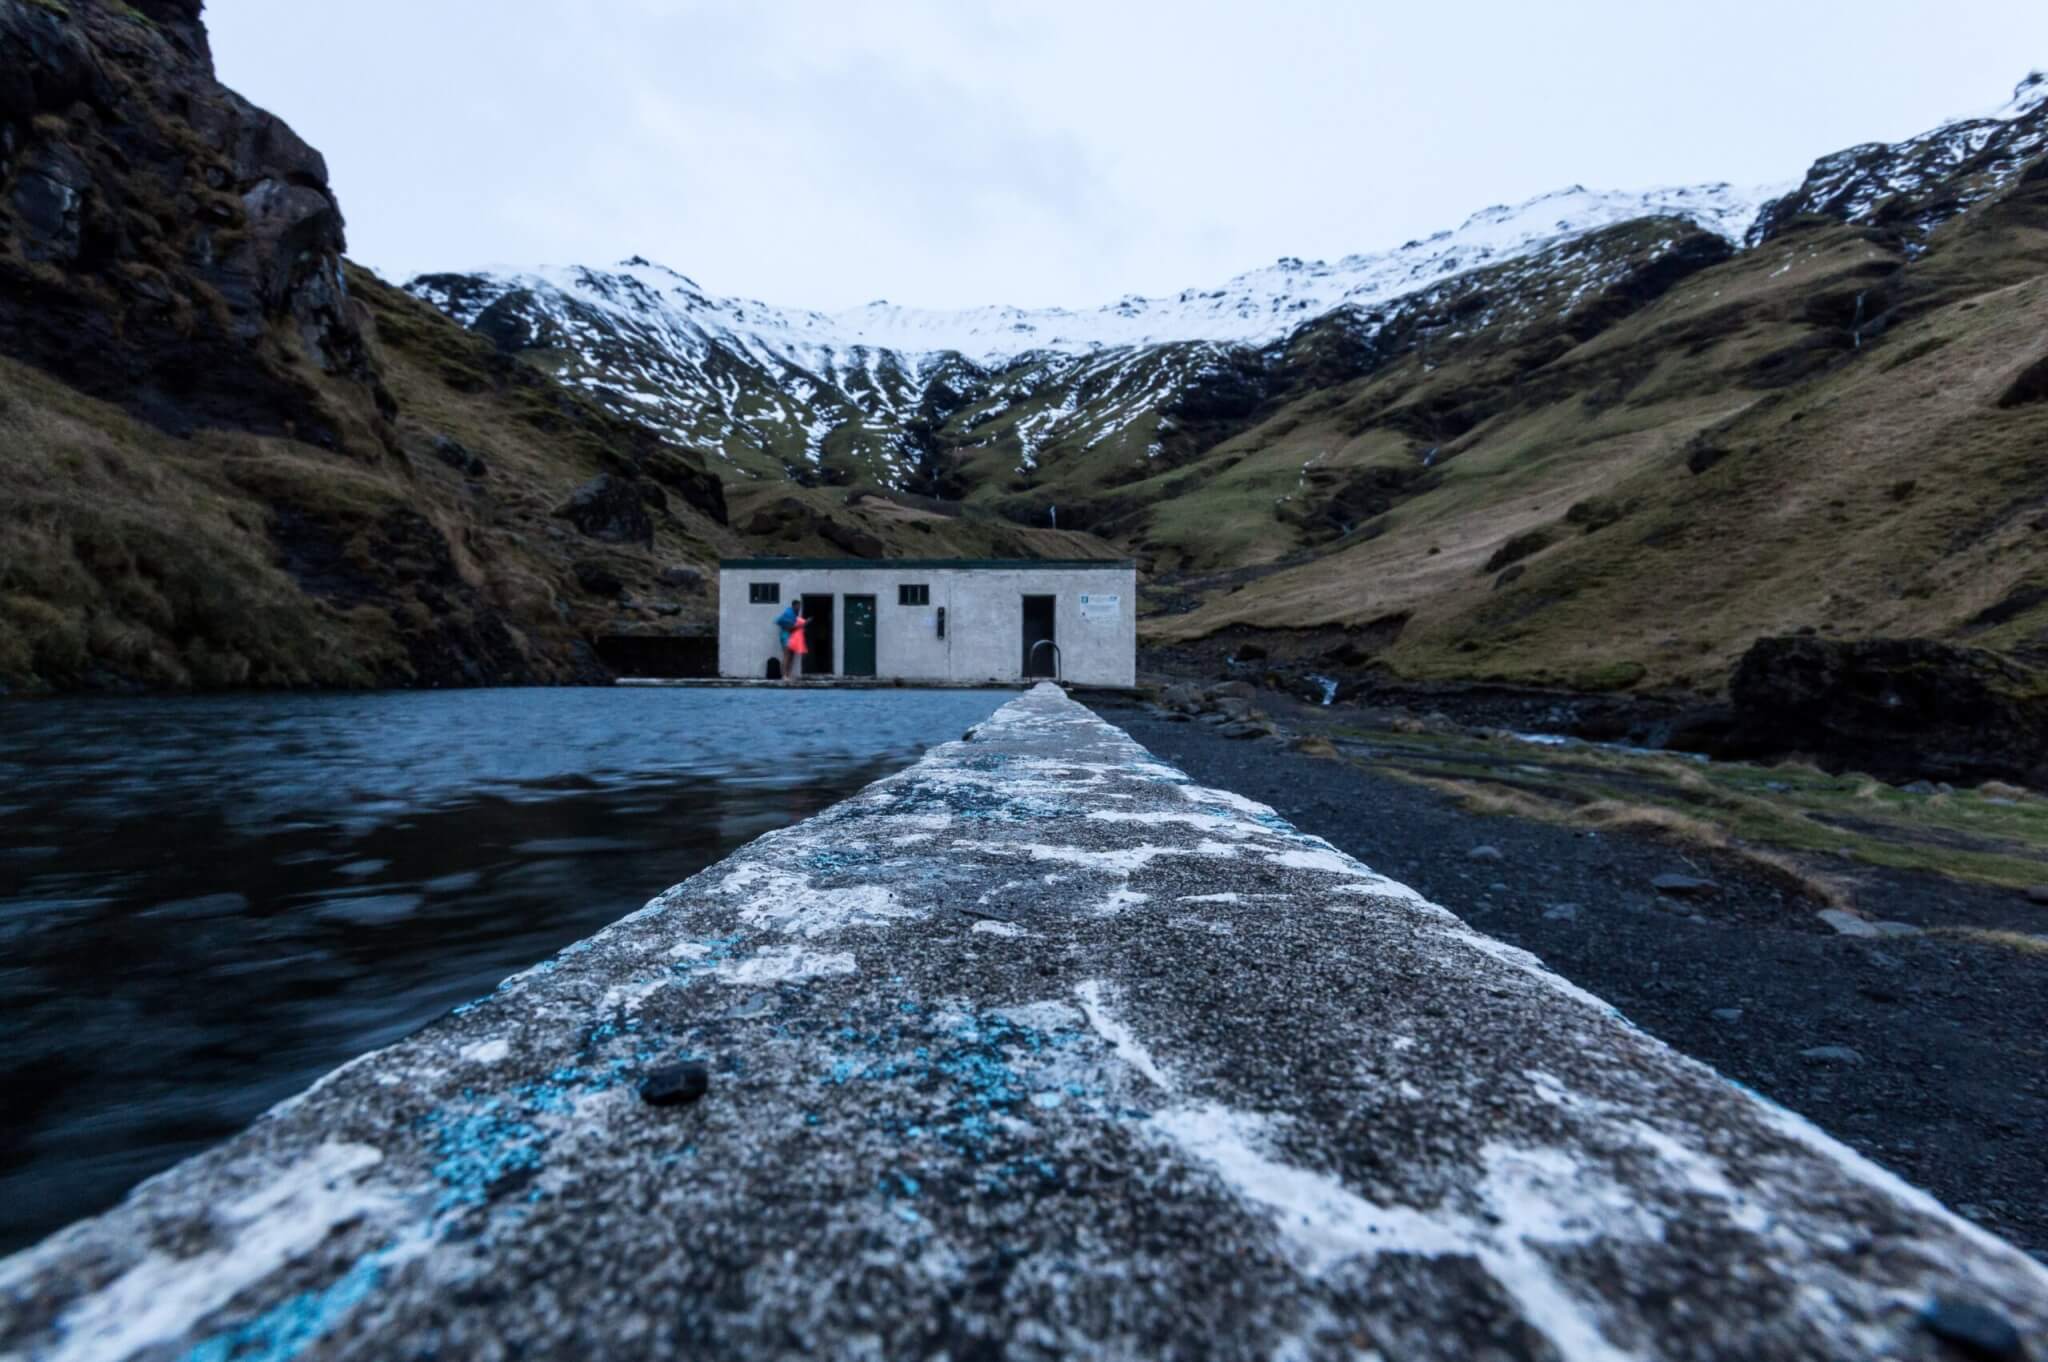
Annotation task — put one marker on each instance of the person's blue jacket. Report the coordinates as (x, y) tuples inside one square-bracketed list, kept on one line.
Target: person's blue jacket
[(786, 621)]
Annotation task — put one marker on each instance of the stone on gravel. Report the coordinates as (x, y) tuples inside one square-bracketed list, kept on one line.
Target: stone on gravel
[(1243, 730), (1484, 853), (1727, 1014), (1684, 886), (676, 1085), (1847, 923), (1895, 929), (1977, 1330), (1561, 912), (2038, 893), (1832, 1054)]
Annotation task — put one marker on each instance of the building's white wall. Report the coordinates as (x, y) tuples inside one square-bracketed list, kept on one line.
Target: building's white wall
[(984, 620)]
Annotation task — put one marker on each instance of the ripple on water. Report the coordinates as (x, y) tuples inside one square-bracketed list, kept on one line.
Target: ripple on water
[(209, 902)]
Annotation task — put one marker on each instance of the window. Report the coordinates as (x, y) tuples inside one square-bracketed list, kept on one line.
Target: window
[(764, 593), (913, 593)]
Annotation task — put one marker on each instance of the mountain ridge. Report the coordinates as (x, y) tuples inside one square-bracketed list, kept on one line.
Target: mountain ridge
[(1254, 307)]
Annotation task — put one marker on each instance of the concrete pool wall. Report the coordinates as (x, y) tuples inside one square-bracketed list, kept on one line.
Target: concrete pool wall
[(1035, 1048)]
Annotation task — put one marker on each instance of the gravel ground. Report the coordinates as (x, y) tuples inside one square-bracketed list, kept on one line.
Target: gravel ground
[(1925, 1053)]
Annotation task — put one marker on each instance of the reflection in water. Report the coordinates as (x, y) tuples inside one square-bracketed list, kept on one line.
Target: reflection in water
[(207, 903)]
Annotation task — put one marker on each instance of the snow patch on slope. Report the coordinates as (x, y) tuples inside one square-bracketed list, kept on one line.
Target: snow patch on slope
[(1256, 307)]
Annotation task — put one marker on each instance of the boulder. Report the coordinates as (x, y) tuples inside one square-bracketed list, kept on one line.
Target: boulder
[(611, 509), (1848, 923), (597, 578), (682, 577), (459, 456), (689, 477), (857, 542), (1899, 709)]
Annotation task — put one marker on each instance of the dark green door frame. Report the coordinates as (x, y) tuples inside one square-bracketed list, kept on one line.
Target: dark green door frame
[(860, 635)]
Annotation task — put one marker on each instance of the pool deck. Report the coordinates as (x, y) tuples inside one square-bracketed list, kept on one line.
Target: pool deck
[(1034, 1049)]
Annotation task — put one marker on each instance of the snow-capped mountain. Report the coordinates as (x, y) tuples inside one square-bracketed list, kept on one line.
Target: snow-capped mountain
[(891, 394), (1914, 186), (742, 377), (1256, 307)]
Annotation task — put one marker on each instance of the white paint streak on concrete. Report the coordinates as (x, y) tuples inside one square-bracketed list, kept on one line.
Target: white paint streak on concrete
[(1533, 1196), (1120, 1037), (630, 996), (776, 899), (777, 965), (990, 927), (1118, 901), (161, 1298), (1204, 822), (1704, 1174), (486, 1051)]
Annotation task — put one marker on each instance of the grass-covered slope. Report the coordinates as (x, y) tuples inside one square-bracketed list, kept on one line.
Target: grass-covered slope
[(443, 555), (1830, 431)]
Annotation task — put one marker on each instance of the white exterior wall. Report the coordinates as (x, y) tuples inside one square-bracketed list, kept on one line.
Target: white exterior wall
[(984, 620)]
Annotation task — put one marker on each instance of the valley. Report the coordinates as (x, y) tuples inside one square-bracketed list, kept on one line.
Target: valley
[(1595, 442)]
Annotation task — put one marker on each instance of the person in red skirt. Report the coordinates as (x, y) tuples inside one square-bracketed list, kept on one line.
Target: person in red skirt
[(794, 650)]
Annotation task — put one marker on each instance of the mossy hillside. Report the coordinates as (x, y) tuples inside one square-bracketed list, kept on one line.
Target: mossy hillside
[(130, 557), (1807, 533), (137, 558), (830, 522)]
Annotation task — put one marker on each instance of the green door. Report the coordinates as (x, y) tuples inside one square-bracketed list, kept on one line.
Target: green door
[(860, 635)]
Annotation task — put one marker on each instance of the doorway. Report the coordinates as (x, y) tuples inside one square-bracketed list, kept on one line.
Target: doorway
[(818, 635), (860, 635), (1040, 615)]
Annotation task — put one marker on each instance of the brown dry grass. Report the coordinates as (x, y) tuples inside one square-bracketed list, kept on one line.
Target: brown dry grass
[(1609, 815), (2026, 943)]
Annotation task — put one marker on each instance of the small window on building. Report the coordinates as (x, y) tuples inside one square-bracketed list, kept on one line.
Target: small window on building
[(764, 593), (913, 593)]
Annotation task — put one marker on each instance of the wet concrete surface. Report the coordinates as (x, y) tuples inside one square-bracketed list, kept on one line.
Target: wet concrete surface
[(1949, 1081), (1036, 1049)]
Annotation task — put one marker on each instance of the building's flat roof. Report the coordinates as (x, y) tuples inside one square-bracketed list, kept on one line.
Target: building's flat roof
[(884, 564)]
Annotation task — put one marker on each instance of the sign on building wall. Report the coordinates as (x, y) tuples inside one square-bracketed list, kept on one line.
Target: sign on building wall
[(1096, 606)]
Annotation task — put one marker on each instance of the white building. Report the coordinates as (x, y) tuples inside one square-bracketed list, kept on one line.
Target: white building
[(960, 620)]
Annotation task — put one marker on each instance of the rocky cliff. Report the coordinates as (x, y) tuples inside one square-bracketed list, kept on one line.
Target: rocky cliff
[(232, 458), (165, 244)]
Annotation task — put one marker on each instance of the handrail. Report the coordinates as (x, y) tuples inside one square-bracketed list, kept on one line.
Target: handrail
[(1031, 659)]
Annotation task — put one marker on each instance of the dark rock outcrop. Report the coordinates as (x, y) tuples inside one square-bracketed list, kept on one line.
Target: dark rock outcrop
[(598, 578), (1895, 708), (165, 244), (1912, 187), (609, 508)]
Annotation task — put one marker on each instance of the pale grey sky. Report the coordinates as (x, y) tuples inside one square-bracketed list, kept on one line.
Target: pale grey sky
[(949, 153)]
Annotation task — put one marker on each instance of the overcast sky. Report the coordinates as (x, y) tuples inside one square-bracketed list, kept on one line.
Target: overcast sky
[(948, 153)]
